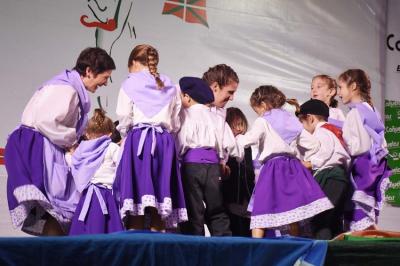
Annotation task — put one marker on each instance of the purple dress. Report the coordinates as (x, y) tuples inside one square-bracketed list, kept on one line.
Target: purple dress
[(370, 173), (39, 183), (148, 174), (286, 192), (97, 211)]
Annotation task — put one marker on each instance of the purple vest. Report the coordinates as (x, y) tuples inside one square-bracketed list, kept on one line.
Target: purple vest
[(371, 119), (285, 124), (73, 79)]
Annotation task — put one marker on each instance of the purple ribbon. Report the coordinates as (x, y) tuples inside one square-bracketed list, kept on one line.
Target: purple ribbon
[(145, 129), (88, 199)]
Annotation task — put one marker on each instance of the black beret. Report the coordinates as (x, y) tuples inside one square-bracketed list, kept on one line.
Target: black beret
[(314, 107), (197, 89)]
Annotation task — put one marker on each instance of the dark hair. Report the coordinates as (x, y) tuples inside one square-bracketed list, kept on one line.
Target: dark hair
[(319, 117), (233, 114), (331, 84), (222, 74), (94, 58), (269, 95), (100, 125), (147, 55), (361, 79), (116, 136)]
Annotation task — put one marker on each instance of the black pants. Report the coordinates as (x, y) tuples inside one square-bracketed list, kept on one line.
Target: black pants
[(201, 182), (329, 224)]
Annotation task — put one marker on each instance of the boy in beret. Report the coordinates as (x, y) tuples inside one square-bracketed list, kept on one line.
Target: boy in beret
[(329, 165), (202, 150)]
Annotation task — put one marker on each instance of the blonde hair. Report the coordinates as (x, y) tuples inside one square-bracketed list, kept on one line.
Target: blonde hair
[(331, 84), (99, 124), (147, 55)]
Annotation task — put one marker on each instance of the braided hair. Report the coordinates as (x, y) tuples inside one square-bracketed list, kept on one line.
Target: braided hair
[(99, 124), (147, 55)]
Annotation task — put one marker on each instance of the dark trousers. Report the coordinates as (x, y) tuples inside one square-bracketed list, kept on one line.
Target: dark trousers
[(329, 224), (202, 182)]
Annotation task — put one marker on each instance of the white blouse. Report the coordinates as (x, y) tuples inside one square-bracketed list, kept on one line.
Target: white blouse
[(270, 143), (355, 135), (105, 175), (331, 152), (203, 128), (336, 113), (54, 112), (129, 114)]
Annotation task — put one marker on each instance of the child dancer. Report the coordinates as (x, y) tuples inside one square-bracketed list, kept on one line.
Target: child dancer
[(329, 165), (94, 164), (324, 88), (363, 132), (238, 187), (202, 150), (148, 175), (285, 192)]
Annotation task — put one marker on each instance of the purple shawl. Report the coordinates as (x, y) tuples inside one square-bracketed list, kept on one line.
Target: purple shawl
[(73, 79), (141, 88), (286, 125), (371, 119), (86, 159)]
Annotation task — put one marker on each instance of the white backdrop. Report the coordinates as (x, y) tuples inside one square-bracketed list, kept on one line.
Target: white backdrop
[(279, 42)]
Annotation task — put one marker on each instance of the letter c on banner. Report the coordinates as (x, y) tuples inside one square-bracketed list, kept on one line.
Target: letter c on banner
[(388, 42)]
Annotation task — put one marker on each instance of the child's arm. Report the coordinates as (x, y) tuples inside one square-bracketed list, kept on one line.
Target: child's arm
[(307, 144), (354, 134), (176, 119), (124, 112), (254, 136)]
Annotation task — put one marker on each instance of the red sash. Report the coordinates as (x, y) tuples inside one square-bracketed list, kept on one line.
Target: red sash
[(336, 131)]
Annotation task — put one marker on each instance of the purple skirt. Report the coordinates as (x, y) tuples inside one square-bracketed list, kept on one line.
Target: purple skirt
[(370, 182), (97, 218), (150, 179), (285, 193), (27, 199)]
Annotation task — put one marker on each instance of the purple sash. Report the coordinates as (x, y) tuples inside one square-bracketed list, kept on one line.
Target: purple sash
[(201, 155), (87, 159), (73, 79), (286, 125), (371, 119), (142, 89), (86, 204)]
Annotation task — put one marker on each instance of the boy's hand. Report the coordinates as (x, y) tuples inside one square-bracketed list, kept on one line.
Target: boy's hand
[(225, 171), (307, 164)]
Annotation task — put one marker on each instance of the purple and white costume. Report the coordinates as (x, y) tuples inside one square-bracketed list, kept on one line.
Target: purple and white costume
[(39, 182), (94, 164), (285, 192), (336, 117), (363, 132), (148, 174)]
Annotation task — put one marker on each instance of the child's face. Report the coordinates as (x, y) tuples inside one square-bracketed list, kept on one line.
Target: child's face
[(320, 90), (346, 92), (185, 100), (308, 123), (238, 127)]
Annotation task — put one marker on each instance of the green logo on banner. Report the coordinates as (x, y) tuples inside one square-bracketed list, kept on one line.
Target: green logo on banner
[(392, 136)]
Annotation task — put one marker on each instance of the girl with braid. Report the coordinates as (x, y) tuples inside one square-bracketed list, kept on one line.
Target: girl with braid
[(285, 192), (363, 133), (93, 167), (148, 177)]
